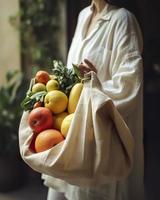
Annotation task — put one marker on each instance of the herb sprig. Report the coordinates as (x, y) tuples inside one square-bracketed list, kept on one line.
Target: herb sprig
[(67, 77)]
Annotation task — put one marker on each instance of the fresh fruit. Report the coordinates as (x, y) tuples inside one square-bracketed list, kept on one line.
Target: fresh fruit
[(42, 77), (40, 119), (47, 139), (32, 144), (58, 120), (56, 101), (66, 124), (37, 104), (52, 85), (37, 87), (74, 97), (52, 76)]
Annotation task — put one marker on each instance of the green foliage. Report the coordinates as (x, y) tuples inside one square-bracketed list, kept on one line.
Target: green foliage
[(39, 28), (11, 94), (66, 77), (31, 99)]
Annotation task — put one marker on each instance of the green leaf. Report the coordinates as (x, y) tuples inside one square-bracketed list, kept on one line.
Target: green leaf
[(76, 70), (65, 76), (31, 99)]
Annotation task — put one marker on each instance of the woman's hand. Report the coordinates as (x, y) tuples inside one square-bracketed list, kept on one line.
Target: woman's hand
[(86, 67)]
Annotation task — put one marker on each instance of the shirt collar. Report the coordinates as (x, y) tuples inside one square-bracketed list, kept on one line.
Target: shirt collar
[(105, 13)]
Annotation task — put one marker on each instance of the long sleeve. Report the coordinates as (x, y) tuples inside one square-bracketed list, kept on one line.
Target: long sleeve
[(124, 86)]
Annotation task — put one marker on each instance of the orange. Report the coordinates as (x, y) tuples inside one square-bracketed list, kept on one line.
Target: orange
[(47, 139)]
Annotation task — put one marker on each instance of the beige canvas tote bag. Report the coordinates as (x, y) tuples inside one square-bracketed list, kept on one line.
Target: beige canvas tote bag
[(98, 147)]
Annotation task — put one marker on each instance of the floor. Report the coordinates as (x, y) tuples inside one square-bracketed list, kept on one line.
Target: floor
[(33, 190)]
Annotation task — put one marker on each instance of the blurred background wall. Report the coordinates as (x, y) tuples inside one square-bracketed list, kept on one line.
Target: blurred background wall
[(9, 38), (32, 34)]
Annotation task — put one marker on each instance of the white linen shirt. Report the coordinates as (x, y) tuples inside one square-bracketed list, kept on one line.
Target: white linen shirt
[(114, 47)]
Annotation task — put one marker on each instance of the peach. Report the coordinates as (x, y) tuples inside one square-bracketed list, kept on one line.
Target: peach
[(40, 119), (42, 77)]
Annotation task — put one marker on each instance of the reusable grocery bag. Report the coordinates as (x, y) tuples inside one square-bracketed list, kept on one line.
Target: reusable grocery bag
[(98, 148)]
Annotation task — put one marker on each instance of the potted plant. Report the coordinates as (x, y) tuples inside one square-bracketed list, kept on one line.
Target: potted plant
[(11, 95)]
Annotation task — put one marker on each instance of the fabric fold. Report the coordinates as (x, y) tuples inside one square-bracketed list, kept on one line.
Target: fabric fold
[(98, 148)]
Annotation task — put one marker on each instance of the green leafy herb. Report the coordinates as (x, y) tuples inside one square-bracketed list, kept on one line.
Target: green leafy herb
[(66, 77), (31, 99)]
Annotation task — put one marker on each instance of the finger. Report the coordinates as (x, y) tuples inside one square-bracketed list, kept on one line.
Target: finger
[(90, 65), (88, 62), (83, 69), (83, 66)]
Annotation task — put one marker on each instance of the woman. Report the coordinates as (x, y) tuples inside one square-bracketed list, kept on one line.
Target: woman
[(108, 41)]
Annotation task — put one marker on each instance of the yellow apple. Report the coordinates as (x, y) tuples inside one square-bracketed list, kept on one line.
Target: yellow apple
[(52, 85), (58, 119), (38, 87)]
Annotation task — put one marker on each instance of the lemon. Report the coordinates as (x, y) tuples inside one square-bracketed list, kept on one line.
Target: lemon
[(66, 124), (58, 120), (56, 101), (37, 87)]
